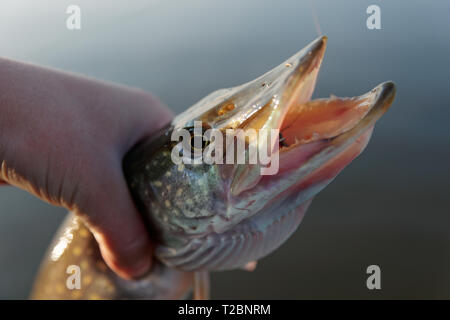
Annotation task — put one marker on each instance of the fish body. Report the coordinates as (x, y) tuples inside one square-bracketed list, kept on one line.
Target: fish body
[(221, 216)]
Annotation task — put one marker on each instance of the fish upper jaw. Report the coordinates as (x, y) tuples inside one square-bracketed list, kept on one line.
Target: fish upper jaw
[(292, 82), (236, 107)]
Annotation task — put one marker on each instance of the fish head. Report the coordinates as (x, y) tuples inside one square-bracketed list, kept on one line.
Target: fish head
[(308, 142)]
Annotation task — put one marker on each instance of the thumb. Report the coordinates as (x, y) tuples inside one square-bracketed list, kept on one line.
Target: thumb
[(117, 226)]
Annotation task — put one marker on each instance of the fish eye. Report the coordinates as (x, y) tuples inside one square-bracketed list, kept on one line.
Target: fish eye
[(197, 139)]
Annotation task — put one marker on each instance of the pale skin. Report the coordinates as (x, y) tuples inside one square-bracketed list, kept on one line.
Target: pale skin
[(63, 138)]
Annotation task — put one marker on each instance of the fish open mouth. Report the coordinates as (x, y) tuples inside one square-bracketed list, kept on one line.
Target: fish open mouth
[(328, 118), (312, 132), (305, 121), (300, 119), (325, 133), (324, 128)]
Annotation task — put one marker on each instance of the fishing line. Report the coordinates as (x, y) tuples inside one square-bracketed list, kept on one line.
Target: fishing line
[(315, 17)]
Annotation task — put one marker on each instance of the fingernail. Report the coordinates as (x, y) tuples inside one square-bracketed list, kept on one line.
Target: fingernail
[(132, 268), (141, 268)]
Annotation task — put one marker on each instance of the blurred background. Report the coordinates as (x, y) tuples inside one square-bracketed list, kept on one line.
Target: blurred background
[(390, 207)]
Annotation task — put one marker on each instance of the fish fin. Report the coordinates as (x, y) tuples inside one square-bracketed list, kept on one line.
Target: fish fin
[(201, 285)]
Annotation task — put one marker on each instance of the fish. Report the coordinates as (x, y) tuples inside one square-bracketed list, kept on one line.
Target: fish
[(223, 216)]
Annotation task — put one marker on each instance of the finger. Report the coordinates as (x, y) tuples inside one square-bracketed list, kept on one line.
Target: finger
[(250, 266), (118, 228)]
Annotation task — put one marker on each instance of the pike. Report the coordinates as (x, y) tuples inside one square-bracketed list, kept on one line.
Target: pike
[(206, 217)]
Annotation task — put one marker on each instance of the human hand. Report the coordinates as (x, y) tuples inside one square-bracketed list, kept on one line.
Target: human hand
[(63, 138)]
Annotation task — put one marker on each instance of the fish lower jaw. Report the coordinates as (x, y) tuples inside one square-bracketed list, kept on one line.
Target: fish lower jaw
[(250, 240)]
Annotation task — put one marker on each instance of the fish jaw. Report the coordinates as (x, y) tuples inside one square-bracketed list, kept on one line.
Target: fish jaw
[(307, 166), (261, 99), (292, 83), (325, 127), (313, 132)]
